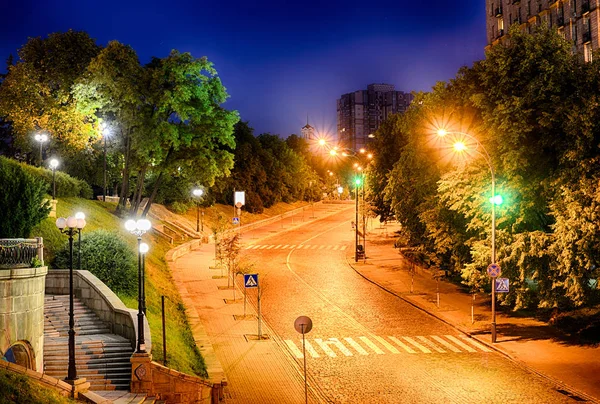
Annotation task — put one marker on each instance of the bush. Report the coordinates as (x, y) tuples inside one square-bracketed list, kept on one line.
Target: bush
[(180, 207), (22, 200), (106, 255), (66, 185)]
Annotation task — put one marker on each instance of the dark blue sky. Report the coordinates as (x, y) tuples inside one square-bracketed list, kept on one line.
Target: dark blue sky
[(279, 61)]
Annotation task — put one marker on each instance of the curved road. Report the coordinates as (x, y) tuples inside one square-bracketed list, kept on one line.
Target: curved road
[(367, 345)]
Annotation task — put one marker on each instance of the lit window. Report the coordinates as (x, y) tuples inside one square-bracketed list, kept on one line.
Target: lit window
[(587, 52)]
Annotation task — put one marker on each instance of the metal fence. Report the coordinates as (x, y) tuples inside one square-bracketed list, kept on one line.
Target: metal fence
[(20, 252)]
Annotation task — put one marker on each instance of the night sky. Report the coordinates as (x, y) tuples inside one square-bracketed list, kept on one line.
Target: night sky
[(278, 61)]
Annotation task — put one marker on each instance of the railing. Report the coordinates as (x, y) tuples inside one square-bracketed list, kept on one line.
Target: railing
[(20, 252)]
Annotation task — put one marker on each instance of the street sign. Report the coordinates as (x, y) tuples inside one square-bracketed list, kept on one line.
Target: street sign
[(303, 324), (239, 197), (251, 280), (501, 285), (238, 205), (494, 270), (235, 220)]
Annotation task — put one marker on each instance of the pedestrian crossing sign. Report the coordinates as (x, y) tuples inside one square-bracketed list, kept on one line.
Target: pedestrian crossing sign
[(502, 285), (251, 280), (235, 220)]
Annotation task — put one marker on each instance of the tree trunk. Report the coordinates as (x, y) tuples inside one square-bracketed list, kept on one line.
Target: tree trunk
[(122, 206), (137, 196), (153, 194)]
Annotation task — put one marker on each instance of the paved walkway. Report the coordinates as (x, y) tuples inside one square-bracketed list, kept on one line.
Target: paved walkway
[(532, 343)]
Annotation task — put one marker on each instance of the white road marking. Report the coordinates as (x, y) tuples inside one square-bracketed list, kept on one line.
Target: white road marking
[(446, 344), (329, 247), (297, 352), (402, 345), (343, 247), (279, 246), (262, 246), (321, 247), (475, 343), (292, 246), (311, 350), (314, 247), (356, 346), (335, 247), (269, 247), (371, 345), (415, 343), (333, 342), (460, 343), (431, 344), (386, 344), (285, 246), (325, 347)]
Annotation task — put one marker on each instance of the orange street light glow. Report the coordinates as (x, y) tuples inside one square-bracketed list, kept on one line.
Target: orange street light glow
[(333, 152), (322, 142), (370, 155), (362, 150), (459, 146), (442, 132)]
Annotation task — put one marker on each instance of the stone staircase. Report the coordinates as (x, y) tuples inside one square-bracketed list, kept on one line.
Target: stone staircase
[(101, 357)]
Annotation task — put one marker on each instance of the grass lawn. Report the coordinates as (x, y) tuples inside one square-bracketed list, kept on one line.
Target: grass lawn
[(16, 388)]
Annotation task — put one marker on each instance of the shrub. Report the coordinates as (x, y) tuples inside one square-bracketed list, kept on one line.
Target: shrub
[(66, 185), (106, 255), (22, 199), (180, 207)]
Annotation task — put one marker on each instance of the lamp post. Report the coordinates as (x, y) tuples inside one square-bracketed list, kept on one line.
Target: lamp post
[(198, 192), (460, 146), (53, 165), (79, 215), (138, 228), (105, 134), (357, 183), (144, 248), (69, 226), (41, 138)]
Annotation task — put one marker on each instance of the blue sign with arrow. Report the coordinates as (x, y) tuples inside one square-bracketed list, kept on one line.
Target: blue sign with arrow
[(251, 280)]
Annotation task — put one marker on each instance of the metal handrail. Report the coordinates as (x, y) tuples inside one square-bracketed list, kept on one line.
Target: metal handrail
[(20, 252)]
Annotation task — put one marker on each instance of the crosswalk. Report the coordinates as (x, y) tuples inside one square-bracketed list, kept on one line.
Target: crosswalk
[(332, 247), (378, 345)]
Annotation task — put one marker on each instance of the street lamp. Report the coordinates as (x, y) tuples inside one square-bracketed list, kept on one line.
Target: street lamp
[(41, 138), (69, 226), (357, 182), (138, 228), (460, 146), (198, 192), (79, 215), (53, 165), (144, 248), (105, 135)]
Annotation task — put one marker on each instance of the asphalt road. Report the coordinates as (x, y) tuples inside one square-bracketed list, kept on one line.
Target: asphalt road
[(366, 345)]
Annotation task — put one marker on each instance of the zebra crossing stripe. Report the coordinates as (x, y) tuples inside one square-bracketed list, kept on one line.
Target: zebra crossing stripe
[(343, 248), (356, 346), (325, 347), (277, 247), (446, 344), (335, 247), (269, 247), (310, 349), (292, 246), (475, 343), (371, 345), (329, 247), (321, 247), (415, 343), (460, 343), (297, 353), (386, 344), (431, 344), (248, 247), (285, 246), (402, 345), (262, 247), (313, 247)]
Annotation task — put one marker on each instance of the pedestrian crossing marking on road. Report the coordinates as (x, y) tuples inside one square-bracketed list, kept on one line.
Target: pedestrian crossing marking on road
[(371, 345), (460, 343), (334, 347), (446, 344), (415, 343), (476, 344), (356, 346), (430, 344), (402, 345), (386, 344), (330, 247)]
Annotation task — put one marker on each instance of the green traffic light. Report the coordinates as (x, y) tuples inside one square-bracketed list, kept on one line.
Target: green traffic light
[(496, 200)]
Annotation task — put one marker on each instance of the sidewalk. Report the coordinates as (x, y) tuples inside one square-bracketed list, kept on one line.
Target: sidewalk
[(533, 344)]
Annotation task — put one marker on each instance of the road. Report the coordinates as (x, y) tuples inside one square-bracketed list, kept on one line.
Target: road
[(367, 345)]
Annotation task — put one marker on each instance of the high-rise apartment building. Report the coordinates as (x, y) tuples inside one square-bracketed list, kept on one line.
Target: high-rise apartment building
[(576, 20), (360, 113)]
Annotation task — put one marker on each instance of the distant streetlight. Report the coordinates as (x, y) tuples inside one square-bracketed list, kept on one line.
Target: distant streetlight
[(460, 146), (69, 226), (105, 134), (139, 228), (54, 165), (41, 138), (198, 192), (79, 215)]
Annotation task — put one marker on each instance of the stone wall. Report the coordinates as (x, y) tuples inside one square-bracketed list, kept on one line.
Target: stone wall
[(22, 312), (101, 300)]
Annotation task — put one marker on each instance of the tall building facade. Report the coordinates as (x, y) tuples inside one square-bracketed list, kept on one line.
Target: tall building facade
[(360, 113), (576, 20)]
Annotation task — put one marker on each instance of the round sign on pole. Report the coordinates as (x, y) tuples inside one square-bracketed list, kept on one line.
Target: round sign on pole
[(303, 324), (494, 270), (238, 205)]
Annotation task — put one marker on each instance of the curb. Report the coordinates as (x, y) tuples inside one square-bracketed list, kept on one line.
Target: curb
[(468, 333)]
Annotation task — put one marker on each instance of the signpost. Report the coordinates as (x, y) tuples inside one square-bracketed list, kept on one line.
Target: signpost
[(251, 281), (239, 200), (494, 271), (303, 325)]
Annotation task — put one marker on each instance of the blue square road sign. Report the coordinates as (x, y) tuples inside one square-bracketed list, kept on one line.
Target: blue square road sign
[(251, 280)]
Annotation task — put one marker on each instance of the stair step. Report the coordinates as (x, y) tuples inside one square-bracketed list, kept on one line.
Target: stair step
[(105, 367)]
